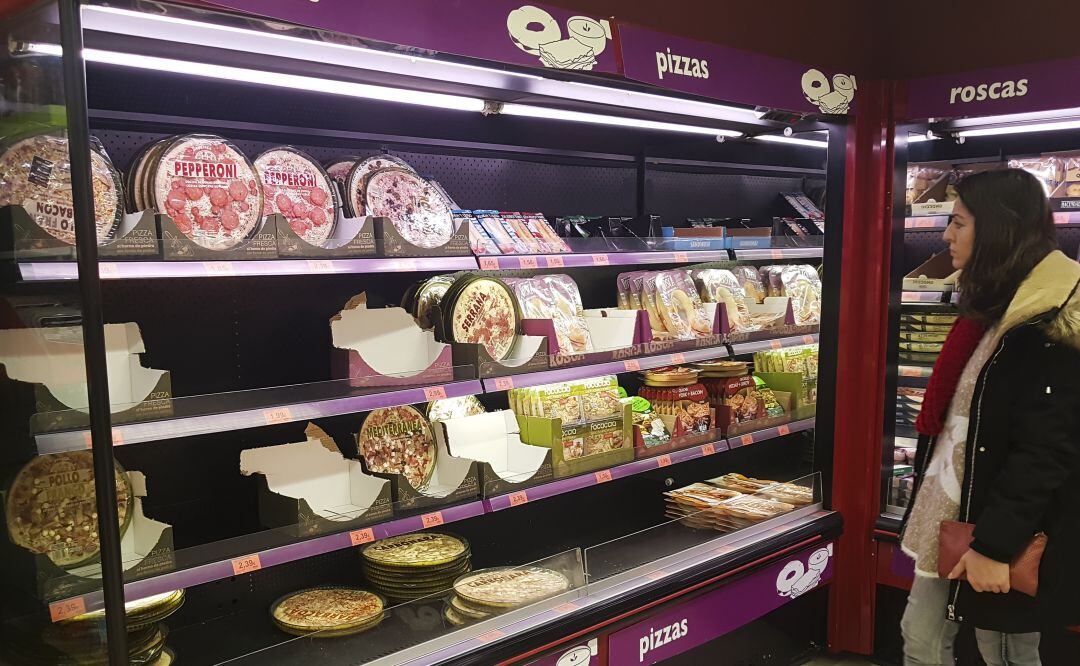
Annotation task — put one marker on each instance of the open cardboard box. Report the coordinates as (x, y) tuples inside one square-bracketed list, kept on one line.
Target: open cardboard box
[(312, 486), (934, 274), (803, 404), (390, 243), (146, 549), (453, 480), (49, 364), (135, 236), (529, 353), (551, 433), (385, 347), (933, 200), (616, 335), (779, 307), (178, 246), (493, 440), (749, 239), (352, 237)]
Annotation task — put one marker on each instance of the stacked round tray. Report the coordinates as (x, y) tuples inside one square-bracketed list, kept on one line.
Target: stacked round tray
[(328, 612), (414, 566), (481, 594)]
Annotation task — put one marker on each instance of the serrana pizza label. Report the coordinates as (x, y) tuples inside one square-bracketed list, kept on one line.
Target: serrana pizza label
[(484, 313)]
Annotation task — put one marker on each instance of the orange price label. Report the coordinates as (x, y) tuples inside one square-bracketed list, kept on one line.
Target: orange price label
[(909, 371), (708, 449), (504, 383), (434, 393), (808, 340), (603, 476), (107, 270), (555, 262), (601, 260), (656, 575), (519, 498), (360, 537), (489, 263), (563, 609), (928, 223), (278, 415), (1062, 218), (320, 266), (433, 519), (527, 262), (663, 461), (682, 257), (784, 430), (490, 636), (246, 564), (68, 608), (747, 440), (776, 254), (678, 358), (775, 344), (117, 438), (632, 365), (218, 267)]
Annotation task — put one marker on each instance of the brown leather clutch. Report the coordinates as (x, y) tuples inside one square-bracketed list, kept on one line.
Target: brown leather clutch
[(955, 540)]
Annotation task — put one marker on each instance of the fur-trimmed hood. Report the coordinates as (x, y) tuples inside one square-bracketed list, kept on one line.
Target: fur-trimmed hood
[(1052, 289)]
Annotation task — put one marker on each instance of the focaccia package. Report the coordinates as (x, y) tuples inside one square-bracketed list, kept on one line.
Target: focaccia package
[(721, 286), (750, 279)]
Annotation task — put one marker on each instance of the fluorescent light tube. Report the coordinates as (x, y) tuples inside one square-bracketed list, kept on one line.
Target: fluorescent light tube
[(310, 83), (919, 138), (1021, 129), (792, 140), (618, 121)]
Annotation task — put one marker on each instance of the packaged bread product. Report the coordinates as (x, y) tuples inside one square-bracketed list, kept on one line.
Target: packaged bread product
[(479, 240), (645, 284), (679, 306), (750, 279), (537, 223), (604, 436), (506, 240), (802, 285), (722, 287), (1047, 169), (741, 483)]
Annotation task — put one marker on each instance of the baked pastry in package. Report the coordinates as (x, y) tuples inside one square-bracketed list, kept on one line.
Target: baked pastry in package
[(753, 509), (604, 436), (722, 287), (802, 285), (504, 238), (567, 313), (599, 397), (750, 279), (1047, 169), (679, 307), (741, 483), (645, 285), (557, 401), (537, 223)]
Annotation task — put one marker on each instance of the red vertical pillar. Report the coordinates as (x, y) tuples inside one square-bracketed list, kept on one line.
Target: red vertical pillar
[(860, 373)]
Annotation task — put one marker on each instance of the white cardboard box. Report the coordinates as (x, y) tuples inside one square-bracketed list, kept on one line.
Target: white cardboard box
[(493, 440)]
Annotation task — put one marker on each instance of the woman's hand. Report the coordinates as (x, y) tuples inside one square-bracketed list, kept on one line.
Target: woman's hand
[(983, 573)]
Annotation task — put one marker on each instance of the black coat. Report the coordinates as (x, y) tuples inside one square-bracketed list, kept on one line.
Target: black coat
[(1022, 464)]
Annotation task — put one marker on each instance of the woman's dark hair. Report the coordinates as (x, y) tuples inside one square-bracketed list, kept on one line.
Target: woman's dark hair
[(1014, 231)]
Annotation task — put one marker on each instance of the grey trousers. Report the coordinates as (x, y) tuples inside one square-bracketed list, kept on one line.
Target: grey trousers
[(929, 636)]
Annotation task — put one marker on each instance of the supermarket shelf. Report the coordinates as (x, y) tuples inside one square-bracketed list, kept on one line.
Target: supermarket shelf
[(218, 570), (920, 297), (727, 552), (926, 223), (274, 406), (757, 436), (129, 270), (914, 371), (600, 259), (775, 343), (779, 253)]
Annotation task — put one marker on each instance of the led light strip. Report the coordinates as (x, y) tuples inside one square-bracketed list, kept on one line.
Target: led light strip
[(1021, 129), (774, 138), (577, 116)]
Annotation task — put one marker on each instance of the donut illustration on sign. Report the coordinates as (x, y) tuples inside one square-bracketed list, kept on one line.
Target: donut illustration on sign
[(836, 98), (796, 580), (535, 32)]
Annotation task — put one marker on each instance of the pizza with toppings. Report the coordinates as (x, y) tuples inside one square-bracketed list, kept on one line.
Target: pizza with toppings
[(296, 187), (419, 212), (398, 440)]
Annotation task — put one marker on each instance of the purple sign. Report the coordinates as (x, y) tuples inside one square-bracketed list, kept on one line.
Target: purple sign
[(705, 618), (730, 74), (509, 31), (1042, 86), (582, 653)]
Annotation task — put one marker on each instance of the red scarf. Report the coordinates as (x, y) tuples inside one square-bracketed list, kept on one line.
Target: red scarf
[(955, 353)]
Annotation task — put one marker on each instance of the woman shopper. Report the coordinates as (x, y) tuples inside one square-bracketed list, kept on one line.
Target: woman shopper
[(999, 443)]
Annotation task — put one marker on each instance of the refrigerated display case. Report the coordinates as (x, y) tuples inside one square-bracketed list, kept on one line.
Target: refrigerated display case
[(288, 491)]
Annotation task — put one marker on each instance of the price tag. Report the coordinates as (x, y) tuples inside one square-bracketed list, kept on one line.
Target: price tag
[(656, 575), (68, 608), (434, 393), (783, 430), (504, 383), (1062, 218), (117, 438), (632, 365), (678, 358), (107, 270), (320, 266), (518, 498), (555, 262), (603, 476), (747, 440), (663, 461), (808, 340), (682, 257), (909, 371), (432, 519), (489, 263), (928, 223), (360, 537), (490, 636), (278, 415), (776, 254), (600, 260), (247, 564), (776, 344), (563, 609), (405, 265), (218, 268), (708, 449), (527, 262)]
